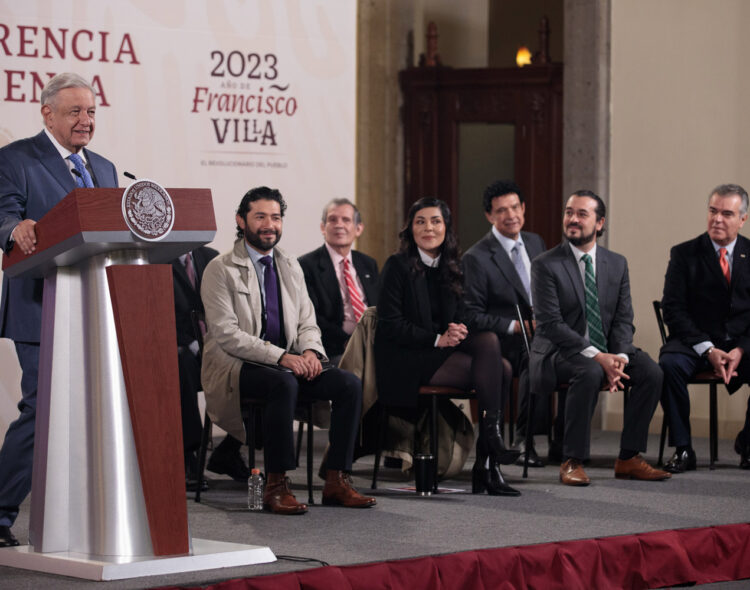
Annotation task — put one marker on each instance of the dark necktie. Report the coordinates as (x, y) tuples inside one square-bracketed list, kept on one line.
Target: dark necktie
[(593, 316), (83, 178), (190, 270), (273, 329)]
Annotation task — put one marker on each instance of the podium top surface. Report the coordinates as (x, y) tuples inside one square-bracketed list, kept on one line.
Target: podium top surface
[(89, 221)]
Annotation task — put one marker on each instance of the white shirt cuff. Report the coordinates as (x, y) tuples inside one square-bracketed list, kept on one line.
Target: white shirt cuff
[(590, 352), (702, 347), (512, 327), (437, 339)]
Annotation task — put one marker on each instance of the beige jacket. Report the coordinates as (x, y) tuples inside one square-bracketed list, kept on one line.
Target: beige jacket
[(232, 299)]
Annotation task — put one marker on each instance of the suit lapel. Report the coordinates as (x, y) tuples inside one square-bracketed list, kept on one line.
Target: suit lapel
[(574, 272), (328, 277), (422, 297), (505, 265), (602, 286), (740, 261), (55, 165), (711, 260), (364, 276)]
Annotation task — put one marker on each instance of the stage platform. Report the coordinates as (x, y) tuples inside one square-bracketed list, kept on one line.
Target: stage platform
[(403, 525)]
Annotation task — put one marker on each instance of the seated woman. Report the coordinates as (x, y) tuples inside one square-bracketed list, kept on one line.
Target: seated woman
[(420, 338)]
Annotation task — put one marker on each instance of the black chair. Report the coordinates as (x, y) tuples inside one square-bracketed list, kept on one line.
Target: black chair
[(527, 331), (433, 393), (701, 378)]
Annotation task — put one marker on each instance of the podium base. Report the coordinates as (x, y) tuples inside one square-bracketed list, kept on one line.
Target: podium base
[(206, 555)]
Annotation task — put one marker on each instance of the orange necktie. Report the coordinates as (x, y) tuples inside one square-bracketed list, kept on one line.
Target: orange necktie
[(724, 264)]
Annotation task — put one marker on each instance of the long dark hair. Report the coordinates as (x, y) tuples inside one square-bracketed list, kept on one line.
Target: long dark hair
[(449, 268)]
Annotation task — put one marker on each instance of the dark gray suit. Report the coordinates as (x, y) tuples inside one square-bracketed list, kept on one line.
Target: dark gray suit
[(560, 309), (33, 179), (492, 289)]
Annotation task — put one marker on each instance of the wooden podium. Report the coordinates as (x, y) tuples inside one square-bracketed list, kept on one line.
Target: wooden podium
[(108, 478)]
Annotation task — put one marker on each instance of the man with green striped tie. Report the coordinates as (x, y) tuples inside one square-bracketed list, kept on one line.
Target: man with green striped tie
[(584, 339)]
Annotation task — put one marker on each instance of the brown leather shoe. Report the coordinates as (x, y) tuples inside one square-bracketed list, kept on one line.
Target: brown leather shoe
[(278, 498), (637, 468), (338, 491), (572, 473)]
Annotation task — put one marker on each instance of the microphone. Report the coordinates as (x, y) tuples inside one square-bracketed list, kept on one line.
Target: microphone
[(76, 173), (129, 175)]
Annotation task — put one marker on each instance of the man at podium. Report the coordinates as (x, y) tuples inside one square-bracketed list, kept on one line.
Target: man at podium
[(35, 174)]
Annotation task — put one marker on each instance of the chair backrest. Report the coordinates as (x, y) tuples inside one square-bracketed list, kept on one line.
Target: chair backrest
[(523, 318), (660, 322)]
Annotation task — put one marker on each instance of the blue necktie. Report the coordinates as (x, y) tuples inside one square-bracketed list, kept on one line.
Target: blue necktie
[(521, 267), (273, 329), (84, 180)]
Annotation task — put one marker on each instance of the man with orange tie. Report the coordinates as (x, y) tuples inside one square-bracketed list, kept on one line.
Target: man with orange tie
[(706, 306), (341, 282)]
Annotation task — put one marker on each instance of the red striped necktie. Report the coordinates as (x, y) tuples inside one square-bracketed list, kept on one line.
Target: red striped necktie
[(356, 299)]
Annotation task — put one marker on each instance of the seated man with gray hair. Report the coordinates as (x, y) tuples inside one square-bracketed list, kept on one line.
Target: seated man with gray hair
[(341, 282), (706, 306)]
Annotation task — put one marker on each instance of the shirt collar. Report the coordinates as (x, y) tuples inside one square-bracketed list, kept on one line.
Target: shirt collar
[(336, 258), (63, 151), (255, 256), (427, 259), (729, 247), (506, 242), (578, 253)]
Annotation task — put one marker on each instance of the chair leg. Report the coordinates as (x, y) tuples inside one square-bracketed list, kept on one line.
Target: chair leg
[(382, 427), (205, 437), (511, 417), (250, 436), (310, 453), (529, 433), (300, 431), (662, 439), (713, 427), (434, 442)]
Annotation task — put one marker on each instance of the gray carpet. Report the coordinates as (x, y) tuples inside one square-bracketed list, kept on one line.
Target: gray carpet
[(403, 525)]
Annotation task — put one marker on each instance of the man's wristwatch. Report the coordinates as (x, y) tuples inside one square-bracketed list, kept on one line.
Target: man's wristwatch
[(708, 351)]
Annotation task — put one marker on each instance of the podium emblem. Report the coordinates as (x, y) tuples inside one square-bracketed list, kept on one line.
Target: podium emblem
[(148, 210)]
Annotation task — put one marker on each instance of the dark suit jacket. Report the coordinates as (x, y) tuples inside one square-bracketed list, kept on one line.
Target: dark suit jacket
[(492, 287), (323, 288), (405, 353), (186, 297), (698, 305), (33, 179), (560, 310)]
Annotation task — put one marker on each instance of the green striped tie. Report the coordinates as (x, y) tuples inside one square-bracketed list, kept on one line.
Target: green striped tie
[(593, 317)]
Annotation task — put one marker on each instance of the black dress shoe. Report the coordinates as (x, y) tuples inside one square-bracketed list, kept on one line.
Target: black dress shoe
[(6, 538), (228, 463), (742, 448), (534, 460), (681, 461), (496, 484)]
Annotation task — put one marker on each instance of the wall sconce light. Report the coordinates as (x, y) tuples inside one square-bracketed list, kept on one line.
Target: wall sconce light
[(523, 56)]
